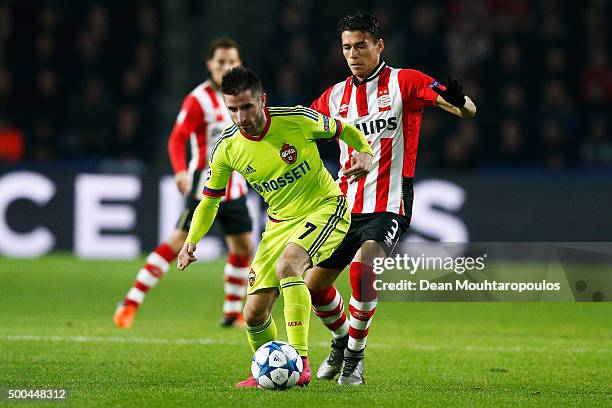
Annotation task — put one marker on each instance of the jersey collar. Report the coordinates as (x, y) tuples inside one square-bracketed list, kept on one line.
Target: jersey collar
[(376, 72), (263, 132)]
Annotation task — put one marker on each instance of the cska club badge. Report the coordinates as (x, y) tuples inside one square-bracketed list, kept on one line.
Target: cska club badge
[(251, 277), (288, 153)]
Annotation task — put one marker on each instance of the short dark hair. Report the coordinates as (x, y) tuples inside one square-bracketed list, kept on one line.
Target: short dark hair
[(360, 21), (240, 79), (221, 42)]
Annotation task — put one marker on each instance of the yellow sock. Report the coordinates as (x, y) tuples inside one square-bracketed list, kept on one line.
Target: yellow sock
[(259, 335), (297, 312)]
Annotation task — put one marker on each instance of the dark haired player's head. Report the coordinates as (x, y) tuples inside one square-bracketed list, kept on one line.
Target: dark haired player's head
[(244, 99), (223, 43), (223, 54), (360, 21), (240, 79), (362, 43)]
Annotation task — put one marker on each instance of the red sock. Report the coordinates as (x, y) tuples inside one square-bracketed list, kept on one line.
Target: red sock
[(235, 280), (328, 305), (156, 266), (362, 306)]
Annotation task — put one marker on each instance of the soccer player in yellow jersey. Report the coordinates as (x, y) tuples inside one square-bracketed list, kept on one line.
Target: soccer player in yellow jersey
[(275, 150)]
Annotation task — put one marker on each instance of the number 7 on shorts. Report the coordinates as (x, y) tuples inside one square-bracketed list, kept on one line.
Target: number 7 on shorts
[(310, 227)]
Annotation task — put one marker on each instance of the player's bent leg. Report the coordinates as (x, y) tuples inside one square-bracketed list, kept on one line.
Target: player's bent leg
[(364, 296), (263, 287), (329, 307), (327, 303), (291, 265), (289, 269), (260, 326), (323, 231), (155, 267), (326, 300), (362, 306), (235, 275)]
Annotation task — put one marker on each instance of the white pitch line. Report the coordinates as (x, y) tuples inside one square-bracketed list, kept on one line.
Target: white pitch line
[(227, 342), (127, 340)]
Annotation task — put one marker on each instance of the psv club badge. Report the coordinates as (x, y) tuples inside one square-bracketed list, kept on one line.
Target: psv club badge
[(288, 153)]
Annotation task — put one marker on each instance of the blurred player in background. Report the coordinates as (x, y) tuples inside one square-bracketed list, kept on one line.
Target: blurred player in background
[(276, 151), (199, 124), (387, 105)]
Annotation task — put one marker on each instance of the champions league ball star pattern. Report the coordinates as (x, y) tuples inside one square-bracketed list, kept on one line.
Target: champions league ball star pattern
[(276, 365)]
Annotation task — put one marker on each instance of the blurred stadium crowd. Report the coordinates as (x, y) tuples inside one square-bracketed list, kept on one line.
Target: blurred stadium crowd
[(81, 82), (77, 80)]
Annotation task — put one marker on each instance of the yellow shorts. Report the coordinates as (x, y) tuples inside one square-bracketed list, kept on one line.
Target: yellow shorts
[(319, 233)]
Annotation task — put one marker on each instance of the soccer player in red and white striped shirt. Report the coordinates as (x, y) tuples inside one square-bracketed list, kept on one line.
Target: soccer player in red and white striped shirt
[(202, 118), (386, 104)]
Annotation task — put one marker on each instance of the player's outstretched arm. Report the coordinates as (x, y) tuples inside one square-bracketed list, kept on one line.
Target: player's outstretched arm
[(453, 100), (219, 171), (203, 218), (327, 128)]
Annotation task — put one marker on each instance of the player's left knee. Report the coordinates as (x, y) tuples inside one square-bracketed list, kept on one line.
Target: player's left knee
[(255, 313), (241, 245), (293, 262), (254, 317), (370, 250), (286, 268), (244, 248), (319, 279)]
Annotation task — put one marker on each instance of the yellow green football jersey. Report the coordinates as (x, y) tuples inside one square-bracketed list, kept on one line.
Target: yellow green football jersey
[(282, 163)]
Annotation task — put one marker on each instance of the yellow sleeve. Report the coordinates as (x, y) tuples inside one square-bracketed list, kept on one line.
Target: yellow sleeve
[(355, 139), (218, 175), (203, 218), (328, 128)]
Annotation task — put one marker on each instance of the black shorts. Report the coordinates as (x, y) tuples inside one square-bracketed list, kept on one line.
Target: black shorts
[(233, 216), (385, 228)]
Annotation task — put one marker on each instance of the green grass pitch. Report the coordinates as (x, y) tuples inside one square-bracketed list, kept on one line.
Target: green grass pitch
[(56, 331)]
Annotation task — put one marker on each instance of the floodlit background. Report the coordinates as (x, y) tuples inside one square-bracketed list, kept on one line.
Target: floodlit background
[(91, 81), (89, 92), (95, 87)]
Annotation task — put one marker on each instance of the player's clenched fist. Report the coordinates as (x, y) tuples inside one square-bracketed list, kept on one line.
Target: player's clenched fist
[(186, 256), (361, 163)]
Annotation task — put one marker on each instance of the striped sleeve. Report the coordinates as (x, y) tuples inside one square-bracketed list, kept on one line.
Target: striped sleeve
[(417, 89), (188, 120), (321, 104)]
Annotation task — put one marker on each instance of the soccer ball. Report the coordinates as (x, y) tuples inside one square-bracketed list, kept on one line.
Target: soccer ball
[(276, 365)]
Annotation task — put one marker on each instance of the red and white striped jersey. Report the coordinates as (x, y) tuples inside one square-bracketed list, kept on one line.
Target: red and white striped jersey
[(202, 118), (387, 107)]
